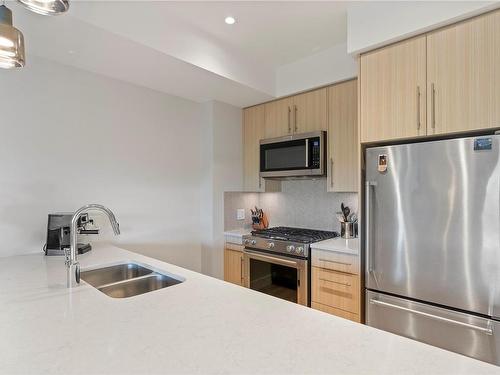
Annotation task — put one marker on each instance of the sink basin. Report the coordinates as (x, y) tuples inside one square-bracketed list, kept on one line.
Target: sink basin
[(113, 274), (127, 280), (138, 286)]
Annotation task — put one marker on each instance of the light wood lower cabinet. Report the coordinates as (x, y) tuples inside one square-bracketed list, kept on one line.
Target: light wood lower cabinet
[(335, 284), (335, 261), (337, 312), (233, 264), (335, 289)]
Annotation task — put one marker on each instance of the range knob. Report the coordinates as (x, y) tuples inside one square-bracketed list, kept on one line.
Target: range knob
[(253, 242), (270, 245), (299, 250), (246, 242), (290, 248)]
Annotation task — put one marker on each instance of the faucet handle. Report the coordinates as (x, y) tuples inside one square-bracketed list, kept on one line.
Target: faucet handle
[(77, 272)]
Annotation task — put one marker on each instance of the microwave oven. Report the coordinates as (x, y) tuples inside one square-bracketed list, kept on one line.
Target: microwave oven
[(293, 156)]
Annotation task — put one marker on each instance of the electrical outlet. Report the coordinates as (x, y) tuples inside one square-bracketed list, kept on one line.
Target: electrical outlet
[(240, 214)]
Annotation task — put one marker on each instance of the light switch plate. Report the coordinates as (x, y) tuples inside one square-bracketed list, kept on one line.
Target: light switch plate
[(240, 214)]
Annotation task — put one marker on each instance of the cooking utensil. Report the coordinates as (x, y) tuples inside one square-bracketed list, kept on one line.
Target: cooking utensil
[(353, 217), (345, 211)]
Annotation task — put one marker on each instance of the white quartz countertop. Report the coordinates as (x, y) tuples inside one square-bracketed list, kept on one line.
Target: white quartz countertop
[(201, 326), (236, 235), (340, 245)]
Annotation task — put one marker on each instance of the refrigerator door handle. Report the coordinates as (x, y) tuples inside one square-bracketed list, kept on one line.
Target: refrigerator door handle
[(369, 255), (487, 331)]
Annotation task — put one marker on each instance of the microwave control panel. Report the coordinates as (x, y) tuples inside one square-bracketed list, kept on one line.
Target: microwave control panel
[(315, 153)]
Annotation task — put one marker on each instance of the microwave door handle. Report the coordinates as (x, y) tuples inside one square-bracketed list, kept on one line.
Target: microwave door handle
[(307, 153)]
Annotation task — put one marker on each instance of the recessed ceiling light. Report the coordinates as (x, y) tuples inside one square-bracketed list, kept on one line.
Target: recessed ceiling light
[(229, 20)]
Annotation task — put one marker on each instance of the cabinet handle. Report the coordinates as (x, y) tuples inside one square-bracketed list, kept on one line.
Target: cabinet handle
[(241, 270), (369, 256), (335, 282), (307, 152), (260, 182), (418, 108), (433, 106), (295, 118), (331, 172), (289, 114)]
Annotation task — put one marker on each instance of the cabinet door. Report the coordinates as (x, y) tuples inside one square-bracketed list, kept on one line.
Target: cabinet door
[(253, 132), (343, 143), (463, 70), (393, 90), (233, 266), (310, 111), (278, 118), (253, 126)]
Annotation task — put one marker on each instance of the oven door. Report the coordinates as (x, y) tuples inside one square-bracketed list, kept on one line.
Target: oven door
[(278, 276), (293, 156)]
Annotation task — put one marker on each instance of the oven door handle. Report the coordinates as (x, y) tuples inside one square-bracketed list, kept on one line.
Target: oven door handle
[(307, 152), (278, 260)]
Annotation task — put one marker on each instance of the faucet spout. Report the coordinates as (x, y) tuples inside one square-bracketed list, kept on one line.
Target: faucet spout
[(72, 258)]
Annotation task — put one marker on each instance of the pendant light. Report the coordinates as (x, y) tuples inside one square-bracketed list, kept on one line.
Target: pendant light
[(11, 42), (46, 7)]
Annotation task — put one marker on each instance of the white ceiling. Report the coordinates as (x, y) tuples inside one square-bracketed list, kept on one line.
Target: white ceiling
[(185, 48)]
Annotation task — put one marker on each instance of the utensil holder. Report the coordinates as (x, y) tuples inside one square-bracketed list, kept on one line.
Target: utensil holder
[(347, 230)]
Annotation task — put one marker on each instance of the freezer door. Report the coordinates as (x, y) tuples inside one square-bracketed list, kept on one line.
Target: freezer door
[(433, 222), (458, 332)]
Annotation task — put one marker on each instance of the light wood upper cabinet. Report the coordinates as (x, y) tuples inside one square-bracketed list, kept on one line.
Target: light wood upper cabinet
[(393, 91), (463, 72), (301, 113), (310, 111), (233, 265), (278, 118), (343, 145), (447, 81), (253, 132)]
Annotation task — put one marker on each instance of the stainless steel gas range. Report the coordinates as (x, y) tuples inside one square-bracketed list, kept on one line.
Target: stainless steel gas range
[(277, 261)]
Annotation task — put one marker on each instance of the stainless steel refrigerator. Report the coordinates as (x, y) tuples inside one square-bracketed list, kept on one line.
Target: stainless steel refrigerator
[(432, 243)]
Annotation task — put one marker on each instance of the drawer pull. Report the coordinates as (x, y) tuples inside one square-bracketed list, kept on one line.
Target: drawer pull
[(334, 261), (335, 282)]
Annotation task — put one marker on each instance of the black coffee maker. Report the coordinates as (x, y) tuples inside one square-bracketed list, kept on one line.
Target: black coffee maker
[(59, 230)]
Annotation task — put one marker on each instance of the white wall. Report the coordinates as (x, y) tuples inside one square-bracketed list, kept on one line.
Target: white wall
[(374, 24), (328, 66), (69, 137), (223, 162)]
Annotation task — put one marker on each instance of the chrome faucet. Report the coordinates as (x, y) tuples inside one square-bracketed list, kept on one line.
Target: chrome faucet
[(72, 264)]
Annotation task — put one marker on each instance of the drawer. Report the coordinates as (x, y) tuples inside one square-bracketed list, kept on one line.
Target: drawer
[(336, 261), (334, 311), (335, 289), (470, 335), (233, 246)]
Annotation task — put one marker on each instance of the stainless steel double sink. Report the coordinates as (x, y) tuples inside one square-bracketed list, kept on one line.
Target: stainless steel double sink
[(127, 280)]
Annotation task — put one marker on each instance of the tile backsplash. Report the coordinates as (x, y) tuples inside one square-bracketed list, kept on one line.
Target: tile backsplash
[(301, 203)]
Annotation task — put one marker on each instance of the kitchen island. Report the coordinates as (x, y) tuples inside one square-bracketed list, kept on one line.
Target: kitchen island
[(203, 326)]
